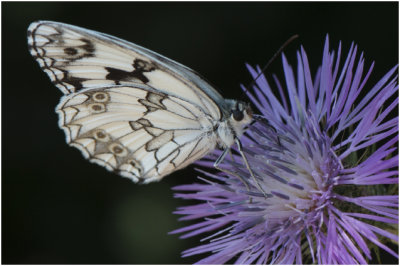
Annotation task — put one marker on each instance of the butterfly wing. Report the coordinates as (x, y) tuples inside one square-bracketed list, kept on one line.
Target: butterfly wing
[(77, 58), (126, 108), (134, 130)]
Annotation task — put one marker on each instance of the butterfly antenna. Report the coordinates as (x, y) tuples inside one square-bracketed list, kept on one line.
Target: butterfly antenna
[(251, 85), (272, 59)]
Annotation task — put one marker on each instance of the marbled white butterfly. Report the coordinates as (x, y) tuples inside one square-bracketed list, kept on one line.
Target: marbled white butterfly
[(132, 110)]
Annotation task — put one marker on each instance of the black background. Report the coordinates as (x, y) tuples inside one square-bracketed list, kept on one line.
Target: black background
[(59, 208)]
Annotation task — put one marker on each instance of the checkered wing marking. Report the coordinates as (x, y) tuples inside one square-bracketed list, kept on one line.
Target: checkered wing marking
[(75, 59), (135, 131)]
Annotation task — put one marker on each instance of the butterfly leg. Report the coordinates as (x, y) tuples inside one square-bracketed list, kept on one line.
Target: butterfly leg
[(218, 162), (232, 158), (240, 148)]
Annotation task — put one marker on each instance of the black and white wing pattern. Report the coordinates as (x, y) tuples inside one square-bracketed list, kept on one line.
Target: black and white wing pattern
[(136, 131), (127, 108)]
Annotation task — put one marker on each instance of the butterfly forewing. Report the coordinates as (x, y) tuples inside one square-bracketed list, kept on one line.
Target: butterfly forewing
[(76, 58), (127, 108)]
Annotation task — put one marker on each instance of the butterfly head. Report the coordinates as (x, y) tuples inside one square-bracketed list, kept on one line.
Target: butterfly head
[(240, 115)]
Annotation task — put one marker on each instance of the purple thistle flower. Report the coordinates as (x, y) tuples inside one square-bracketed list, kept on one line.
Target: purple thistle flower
[(327, 162)]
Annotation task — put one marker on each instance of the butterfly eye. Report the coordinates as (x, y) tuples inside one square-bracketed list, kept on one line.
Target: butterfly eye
[(237, 115)]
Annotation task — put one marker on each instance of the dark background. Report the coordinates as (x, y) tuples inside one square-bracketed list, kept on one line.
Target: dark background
[(59, 208)]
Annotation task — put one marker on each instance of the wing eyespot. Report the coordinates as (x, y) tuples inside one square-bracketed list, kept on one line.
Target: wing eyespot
[(135, 164), (101, 135), (97, 108), (117, 149), (100, 97)]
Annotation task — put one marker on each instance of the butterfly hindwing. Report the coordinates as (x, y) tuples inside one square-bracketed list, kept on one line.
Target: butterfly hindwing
[(124, 128)]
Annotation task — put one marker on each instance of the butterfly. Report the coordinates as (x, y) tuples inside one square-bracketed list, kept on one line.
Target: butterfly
[(131, 110)]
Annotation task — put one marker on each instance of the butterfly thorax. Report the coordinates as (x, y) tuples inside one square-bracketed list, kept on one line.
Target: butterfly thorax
[(234, 123)]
